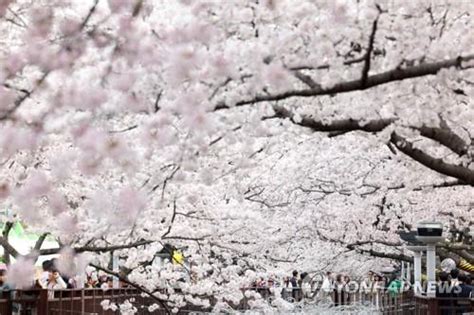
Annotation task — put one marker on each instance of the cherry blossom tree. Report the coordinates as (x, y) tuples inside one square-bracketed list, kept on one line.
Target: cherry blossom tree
[(256, 136)]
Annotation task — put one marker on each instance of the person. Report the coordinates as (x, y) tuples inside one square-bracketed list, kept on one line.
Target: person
[(67, 280), (305, 285), (469, 283), (454, 277), (102, 281), (395, 286), (464, 292), (107, 283), (287, 289), (444, 291), (347, 289), (43, 279), (338, 288), (378, 289), (465, 289), (92, 280), (55, 282), (326, 286), (4, 286), (296, 292), (366, 287)]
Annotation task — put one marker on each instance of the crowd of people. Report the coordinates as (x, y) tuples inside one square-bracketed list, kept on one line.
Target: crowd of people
[(49, 277), (454, 284), (339, 288)]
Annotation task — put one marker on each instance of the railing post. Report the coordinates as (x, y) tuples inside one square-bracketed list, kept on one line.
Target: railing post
[(82, 301), (42, 307), (9, 295), (433, 307)]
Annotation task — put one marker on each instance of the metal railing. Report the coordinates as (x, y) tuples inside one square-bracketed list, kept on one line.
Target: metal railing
[(71, 301), (88, 302)]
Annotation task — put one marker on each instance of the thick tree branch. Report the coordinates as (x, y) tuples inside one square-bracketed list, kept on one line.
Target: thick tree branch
[(394, 75), (97, 249), (445, 136), (6, 231), (343, 125), (469, 257), (40, 241), (462, 173), (373, 253), (8, 248)]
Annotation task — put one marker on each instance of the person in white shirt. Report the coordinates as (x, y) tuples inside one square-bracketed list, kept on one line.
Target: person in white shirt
[(55, 282), (43, 279), (326, 287)]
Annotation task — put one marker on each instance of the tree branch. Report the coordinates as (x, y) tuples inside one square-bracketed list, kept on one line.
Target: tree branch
[(368, 55), (462, 173), (136, 286), (8, 247), (40, 241), (6, 231), (373, 253), (89, 14), (343, 125), (172, 220), (306, 79), (397, 74), (6, 114), (51, 251), (445, 136)]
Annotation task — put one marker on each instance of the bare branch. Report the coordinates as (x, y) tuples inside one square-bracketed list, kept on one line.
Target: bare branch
[(7, 114), (306, 79), (165, 182), (368, 55), (89, 14), (397, 74), (125, 129), (6, 231), (172, 220), (326, 66), (157, 101)]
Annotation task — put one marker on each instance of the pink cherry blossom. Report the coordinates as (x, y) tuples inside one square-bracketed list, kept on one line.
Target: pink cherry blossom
[(129, 204), (66, 263), (21, 273), (4, 6), (67, 226), (120, 5), (276, 75), (57, 203), (42, 19), (7, 99)]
